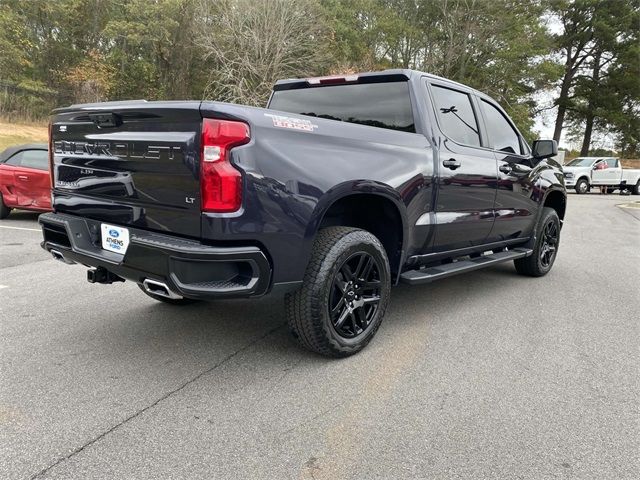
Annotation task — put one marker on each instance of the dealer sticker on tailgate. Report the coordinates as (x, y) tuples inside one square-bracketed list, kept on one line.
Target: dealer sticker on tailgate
[(115, 239)]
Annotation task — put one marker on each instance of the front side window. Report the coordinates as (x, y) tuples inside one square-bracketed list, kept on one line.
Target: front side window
[(601, 165), (580, 162), (38, 159), (502, 135), (383, 105), (612, 162), (456, 117)]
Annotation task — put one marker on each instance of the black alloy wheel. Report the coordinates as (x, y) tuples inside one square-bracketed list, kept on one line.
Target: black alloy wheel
[(344, 295), (549, 247), (355, 295), (545, 249)]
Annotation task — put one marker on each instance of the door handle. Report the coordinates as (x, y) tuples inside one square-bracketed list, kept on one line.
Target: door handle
[(24, 178), (452, 163), (505, 168)]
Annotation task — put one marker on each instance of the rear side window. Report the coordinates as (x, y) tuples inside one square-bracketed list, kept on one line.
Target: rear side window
[(456, 117), (38, 159), (383, 105), (501, 134)]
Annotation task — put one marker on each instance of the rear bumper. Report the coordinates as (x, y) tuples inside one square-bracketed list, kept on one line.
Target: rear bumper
[(189, 268)]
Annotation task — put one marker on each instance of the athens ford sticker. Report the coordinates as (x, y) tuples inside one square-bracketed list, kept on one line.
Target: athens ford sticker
[(291, 122)]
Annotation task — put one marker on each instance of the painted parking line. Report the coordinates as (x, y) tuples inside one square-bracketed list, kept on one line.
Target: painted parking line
[(3, 286), (629, 205), (21, 228)]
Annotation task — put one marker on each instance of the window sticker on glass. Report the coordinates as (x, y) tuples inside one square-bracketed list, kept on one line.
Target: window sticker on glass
[(291, 122)]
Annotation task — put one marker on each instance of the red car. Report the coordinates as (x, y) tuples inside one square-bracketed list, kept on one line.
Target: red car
[(25, 179)]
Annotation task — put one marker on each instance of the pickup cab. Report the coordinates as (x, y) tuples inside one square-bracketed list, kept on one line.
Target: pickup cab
[(582, 173), (339, 189)]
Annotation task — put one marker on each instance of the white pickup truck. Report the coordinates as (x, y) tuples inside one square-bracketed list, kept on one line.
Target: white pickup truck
[(582, 173)]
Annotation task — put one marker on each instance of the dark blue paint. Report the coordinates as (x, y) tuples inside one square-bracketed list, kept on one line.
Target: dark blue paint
[(291, 177)]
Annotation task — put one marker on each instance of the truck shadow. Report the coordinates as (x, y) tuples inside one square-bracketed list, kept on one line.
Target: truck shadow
[(205, 331)]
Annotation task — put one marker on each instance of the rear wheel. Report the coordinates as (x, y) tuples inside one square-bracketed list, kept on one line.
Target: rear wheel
[(610, 190), (345, 293), (171, 301), (546, 247), (4, 210), (582, 186)]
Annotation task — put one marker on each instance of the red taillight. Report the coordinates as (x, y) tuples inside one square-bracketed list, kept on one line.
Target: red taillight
[(51, 154), (220, 182)]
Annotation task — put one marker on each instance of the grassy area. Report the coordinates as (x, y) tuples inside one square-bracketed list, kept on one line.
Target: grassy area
[(16, 133)]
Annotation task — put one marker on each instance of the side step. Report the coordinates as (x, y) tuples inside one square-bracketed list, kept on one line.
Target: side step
[(430, 274)]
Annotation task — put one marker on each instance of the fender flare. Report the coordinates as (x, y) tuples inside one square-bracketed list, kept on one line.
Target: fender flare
[(359, 187)]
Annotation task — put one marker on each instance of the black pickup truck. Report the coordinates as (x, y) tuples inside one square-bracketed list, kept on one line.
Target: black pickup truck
[(339, 189)]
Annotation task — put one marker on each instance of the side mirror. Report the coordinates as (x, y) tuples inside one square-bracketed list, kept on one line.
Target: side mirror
[(544, 149)]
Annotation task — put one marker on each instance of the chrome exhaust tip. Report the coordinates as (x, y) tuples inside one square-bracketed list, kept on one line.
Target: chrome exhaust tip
[(58, 256), (158, 288)]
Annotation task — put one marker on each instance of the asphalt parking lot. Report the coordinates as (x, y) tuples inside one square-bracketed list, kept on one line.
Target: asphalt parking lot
[(486, 375)]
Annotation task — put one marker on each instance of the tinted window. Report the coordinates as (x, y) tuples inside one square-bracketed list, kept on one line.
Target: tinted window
[(580, 162), (612, 162), (384, 105), (38, 159), (501, 134), (456, 117)]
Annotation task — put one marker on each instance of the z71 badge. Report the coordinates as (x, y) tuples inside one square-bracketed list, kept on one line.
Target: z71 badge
[(291, 122)]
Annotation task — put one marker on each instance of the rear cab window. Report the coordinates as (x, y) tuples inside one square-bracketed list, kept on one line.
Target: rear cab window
[(456, 116), (383, 105)]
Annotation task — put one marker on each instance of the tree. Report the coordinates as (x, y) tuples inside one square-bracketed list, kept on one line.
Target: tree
[(473, 42), (252, 44), (574, 43), (601, 86)]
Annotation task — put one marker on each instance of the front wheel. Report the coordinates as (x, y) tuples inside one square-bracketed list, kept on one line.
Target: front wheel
[(344, 295), (582, 186), (545, 250)]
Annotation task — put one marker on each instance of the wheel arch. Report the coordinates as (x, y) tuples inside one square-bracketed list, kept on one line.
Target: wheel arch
[(583, 177), (370, 206), (556, 199)]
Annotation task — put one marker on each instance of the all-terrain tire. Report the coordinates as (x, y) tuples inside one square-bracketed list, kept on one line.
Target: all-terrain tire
[(535, 265), (4, 210), (307, 309)]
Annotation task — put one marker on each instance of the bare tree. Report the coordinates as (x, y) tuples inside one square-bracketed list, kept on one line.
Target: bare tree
[(252, 43)]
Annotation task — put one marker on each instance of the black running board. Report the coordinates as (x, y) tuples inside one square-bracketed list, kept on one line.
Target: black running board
[(430, 274)]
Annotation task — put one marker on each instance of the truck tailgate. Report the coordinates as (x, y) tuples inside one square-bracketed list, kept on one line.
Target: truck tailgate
[(130, 164)]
